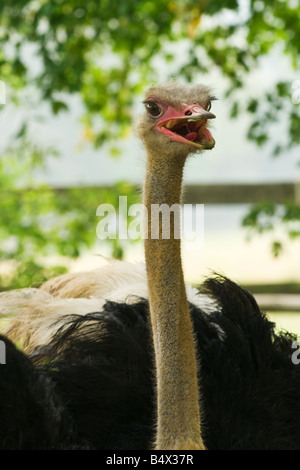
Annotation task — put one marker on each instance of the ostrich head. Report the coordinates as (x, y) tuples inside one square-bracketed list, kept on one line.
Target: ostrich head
[(176, 119)]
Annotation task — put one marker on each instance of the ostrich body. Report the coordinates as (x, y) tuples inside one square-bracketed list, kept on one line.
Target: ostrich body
[(122, 373)]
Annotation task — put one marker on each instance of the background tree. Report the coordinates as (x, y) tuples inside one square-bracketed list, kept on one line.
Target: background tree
[(106, 53)]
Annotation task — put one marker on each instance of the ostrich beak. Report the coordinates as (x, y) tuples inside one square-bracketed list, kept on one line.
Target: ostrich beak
[(188, 126)]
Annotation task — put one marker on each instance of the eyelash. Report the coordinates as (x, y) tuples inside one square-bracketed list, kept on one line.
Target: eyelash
[(208, 105)]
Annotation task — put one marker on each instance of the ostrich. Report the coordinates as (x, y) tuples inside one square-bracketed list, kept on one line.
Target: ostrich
[(183, 121), (167, 371)]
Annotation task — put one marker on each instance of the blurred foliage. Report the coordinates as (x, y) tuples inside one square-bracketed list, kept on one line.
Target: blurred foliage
[(266, 215), (44, 222), (106, 52)]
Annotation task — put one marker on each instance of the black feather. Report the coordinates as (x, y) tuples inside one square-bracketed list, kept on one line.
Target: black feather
[(93, 386)]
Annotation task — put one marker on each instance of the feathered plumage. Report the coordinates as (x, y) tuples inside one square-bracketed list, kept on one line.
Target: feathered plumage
[(93, 386)]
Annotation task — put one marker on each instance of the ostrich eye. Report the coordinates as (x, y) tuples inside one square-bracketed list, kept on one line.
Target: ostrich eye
[(208, 106), (153, 109)]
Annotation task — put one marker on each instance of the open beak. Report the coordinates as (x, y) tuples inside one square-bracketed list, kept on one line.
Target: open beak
[(188, 126)]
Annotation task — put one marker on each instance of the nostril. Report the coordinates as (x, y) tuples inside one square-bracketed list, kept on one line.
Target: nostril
[(188, 113)]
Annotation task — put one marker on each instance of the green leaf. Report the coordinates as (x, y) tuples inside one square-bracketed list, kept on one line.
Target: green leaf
[(58, 106)]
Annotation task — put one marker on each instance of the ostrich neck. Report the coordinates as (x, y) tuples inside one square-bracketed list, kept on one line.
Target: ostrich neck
[(178, 420)]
